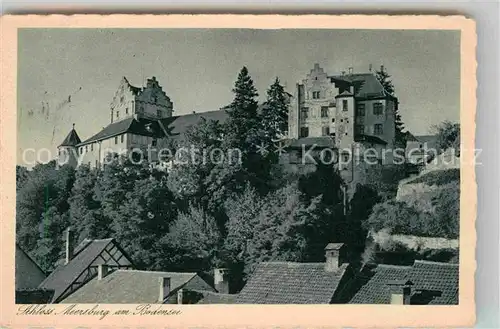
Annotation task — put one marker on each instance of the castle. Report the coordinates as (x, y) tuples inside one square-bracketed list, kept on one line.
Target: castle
[(346, 111)]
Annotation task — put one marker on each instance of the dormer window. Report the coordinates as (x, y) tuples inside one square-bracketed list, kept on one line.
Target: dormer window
[(148, 127)]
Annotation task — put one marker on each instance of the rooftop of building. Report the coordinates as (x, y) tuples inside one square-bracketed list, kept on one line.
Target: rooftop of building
[(291, 283)]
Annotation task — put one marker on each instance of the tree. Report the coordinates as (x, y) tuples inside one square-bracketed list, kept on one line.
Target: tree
[(275, 112), (21, 176), (50, 245), (241, 127), (385, 79), (192, 243), (448, 136), (146, 213), (45, 187), (85, 212)]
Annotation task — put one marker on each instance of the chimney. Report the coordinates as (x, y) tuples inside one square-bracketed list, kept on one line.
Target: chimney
[(400, 291), (70, 244), (102, 271), (180, 296), (164, 288), (334, 256), (351, 70), (221, 280)]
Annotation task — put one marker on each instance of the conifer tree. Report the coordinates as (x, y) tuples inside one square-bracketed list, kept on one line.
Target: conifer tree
[(385, 79), (275, 113), (241, 128)]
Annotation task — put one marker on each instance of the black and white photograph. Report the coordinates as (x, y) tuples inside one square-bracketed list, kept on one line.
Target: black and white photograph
[(238, 166)]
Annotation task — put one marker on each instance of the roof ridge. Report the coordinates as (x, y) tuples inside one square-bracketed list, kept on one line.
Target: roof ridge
[(422, 261), (395, 266), (144, 271)]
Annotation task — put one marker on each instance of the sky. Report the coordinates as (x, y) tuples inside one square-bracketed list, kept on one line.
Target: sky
[(68, 76)]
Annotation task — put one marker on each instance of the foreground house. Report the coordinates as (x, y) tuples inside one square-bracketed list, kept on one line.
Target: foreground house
[(81, 264), (29, 275), (299, 283), (138, 287), (424, 283)]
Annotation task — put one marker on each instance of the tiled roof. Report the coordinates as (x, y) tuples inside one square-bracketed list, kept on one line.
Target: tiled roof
[(369, 139), (72, 139), (441, 278), (291, 283), (128, 286), (433, 283), (64, 275), (177, 126), (366, 85), (319, 142), (373, 281), (217, 298), (140, 126)]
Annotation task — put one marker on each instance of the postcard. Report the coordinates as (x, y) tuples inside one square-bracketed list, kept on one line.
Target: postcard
[(209, 171)]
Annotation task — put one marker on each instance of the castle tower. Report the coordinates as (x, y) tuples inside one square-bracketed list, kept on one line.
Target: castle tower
[(68, 152)]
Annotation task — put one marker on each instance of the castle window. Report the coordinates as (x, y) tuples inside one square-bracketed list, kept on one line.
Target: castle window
[(92, 147), (116, 140), (81, 150), (344, 105), (126, 110), (333, 120), (117, 114), (315, 94), (378, 129), (325, 131), (86, 149), (304, 113), (360, 110), (377, 109), (122, 99), (121, 138), (96, 163), (360, 129), (153, 142), (324, 111), (304, 131)]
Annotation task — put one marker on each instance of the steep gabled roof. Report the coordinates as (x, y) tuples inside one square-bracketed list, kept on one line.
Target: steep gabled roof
[(291, 283), (128, 287), (72, 139), (366, 85), (140, 126), (61, 279)]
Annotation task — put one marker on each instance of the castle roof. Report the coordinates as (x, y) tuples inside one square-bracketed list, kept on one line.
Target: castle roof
[(177, 126), (139, 126), (72, 139), (366, 85)]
